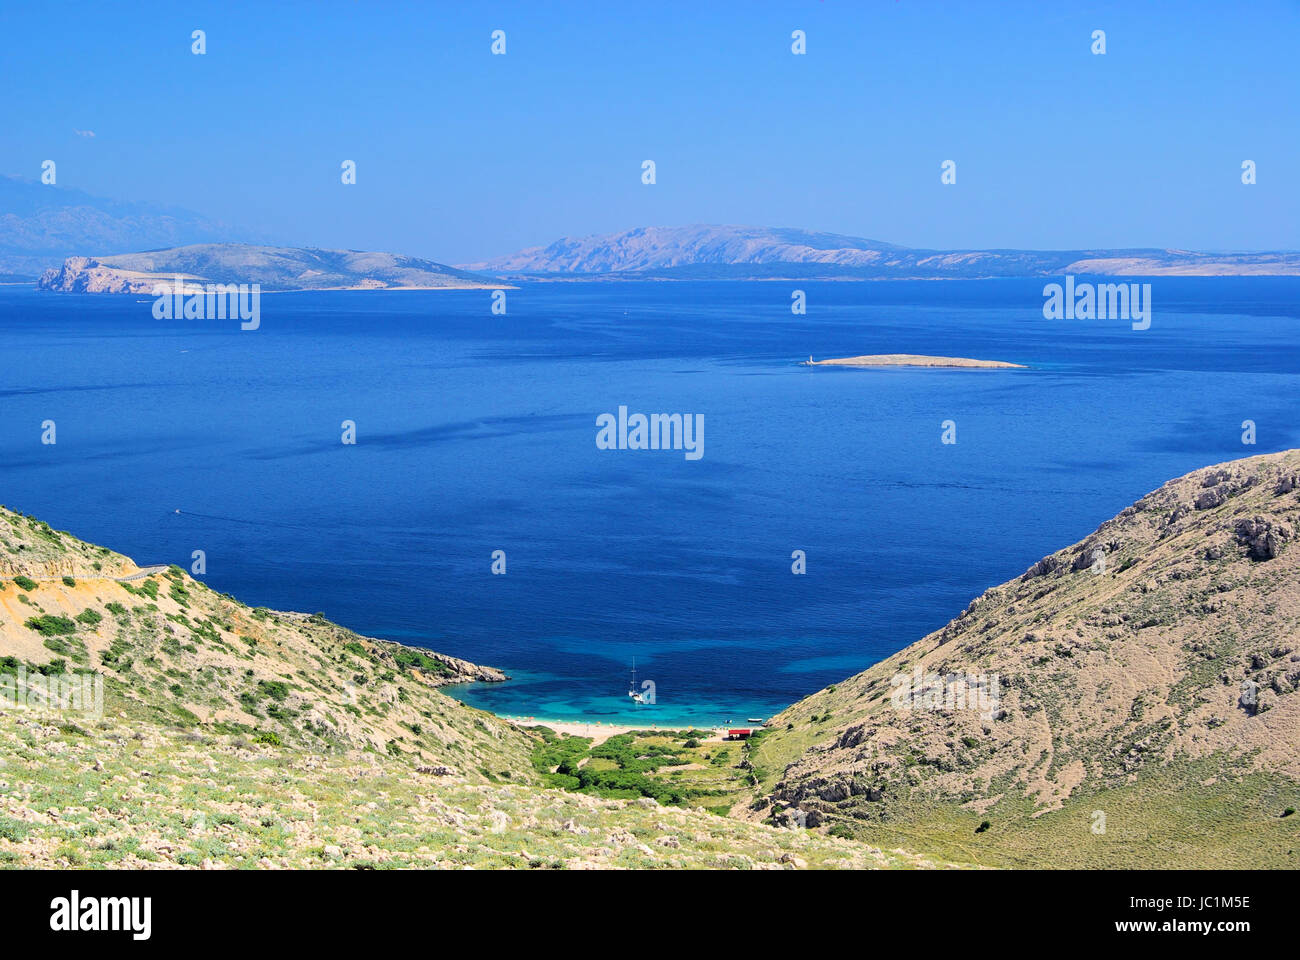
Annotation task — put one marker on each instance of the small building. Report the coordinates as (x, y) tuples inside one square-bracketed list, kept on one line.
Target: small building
[(739, 734)]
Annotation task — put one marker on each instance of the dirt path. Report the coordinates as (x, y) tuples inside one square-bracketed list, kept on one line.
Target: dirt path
[(142, 573)]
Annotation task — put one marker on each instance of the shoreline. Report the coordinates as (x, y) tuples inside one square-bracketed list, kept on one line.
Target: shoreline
[(599, 731)]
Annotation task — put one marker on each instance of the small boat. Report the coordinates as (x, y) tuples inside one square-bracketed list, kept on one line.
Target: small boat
[(632, 690), (756, 720)]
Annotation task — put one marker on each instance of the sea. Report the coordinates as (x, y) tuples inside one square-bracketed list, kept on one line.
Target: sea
[(476, 514)]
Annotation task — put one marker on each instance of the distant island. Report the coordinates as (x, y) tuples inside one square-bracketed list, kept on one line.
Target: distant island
[(274, 268), (728, 252), (911, 360)]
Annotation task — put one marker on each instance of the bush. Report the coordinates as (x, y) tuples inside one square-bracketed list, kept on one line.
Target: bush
[(89, 617), (69, 582), (147, 588), (407, 658), (26, 583), (275, 689), (269, 738), (49, 625), (983, 826)]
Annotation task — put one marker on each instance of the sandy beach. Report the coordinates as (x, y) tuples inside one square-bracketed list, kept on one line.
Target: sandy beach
[(600, 732)]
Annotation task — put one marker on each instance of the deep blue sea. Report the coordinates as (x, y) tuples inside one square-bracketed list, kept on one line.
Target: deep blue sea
[(476, 432)]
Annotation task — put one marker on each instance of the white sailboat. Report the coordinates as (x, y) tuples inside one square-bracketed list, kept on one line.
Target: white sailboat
[(632, 690)]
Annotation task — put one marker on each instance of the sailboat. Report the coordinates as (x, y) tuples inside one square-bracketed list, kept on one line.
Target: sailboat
[(632, 690)]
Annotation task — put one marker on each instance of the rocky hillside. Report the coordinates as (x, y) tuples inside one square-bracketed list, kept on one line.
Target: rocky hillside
[(274, 268), (1139, 708), (233, 736), (721, 252), (173, 651)]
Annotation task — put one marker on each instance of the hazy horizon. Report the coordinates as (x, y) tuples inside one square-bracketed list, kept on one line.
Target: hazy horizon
[(463, 155)]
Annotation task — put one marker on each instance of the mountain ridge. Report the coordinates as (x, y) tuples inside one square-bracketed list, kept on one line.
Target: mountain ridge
[(709, 251)]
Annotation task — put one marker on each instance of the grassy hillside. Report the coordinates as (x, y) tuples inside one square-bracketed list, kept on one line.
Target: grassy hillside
[(1142, 705), (233, 736)]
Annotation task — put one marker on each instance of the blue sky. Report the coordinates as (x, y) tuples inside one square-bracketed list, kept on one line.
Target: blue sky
[(461, 154)]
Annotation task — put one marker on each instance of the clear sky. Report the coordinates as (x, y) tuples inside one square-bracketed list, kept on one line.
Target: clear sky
[(461, 154)]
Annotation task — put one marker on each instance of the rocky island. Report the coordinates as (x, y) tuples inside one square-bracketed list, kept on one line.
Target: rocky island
[(273, 268), (911, 360)]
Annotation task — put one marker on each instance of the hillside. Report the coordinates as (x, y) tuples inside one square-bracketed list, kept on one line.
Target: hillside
[(741, 252), (1145, 682), (274, 268), (234, 736)]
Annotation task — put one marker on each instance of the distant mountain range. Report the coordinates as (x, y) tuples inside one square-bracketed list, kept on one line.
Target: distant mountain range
[(41, 224), (737, 252), (274, 268)]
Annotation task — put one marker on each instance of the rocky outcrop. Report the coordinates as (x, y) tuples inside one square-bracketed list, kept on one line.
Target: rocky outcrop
[(1263, 539), (87, 275), (469, 671)]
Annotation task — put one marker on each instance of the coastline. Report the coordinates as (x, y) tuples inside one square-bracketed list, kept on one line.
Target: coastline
[(599, 732)]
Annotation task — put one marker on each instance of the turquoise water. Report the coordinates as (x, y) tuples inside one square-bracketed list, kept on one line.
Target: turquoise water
[(477, 433)]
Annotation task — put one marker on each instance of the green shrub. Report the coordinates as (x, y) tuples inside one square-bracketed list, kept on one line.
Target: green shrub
[(69, 582), (89, 617), (407, 658), (275, 689), (26, 583), (49, 625), (147, 588)]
